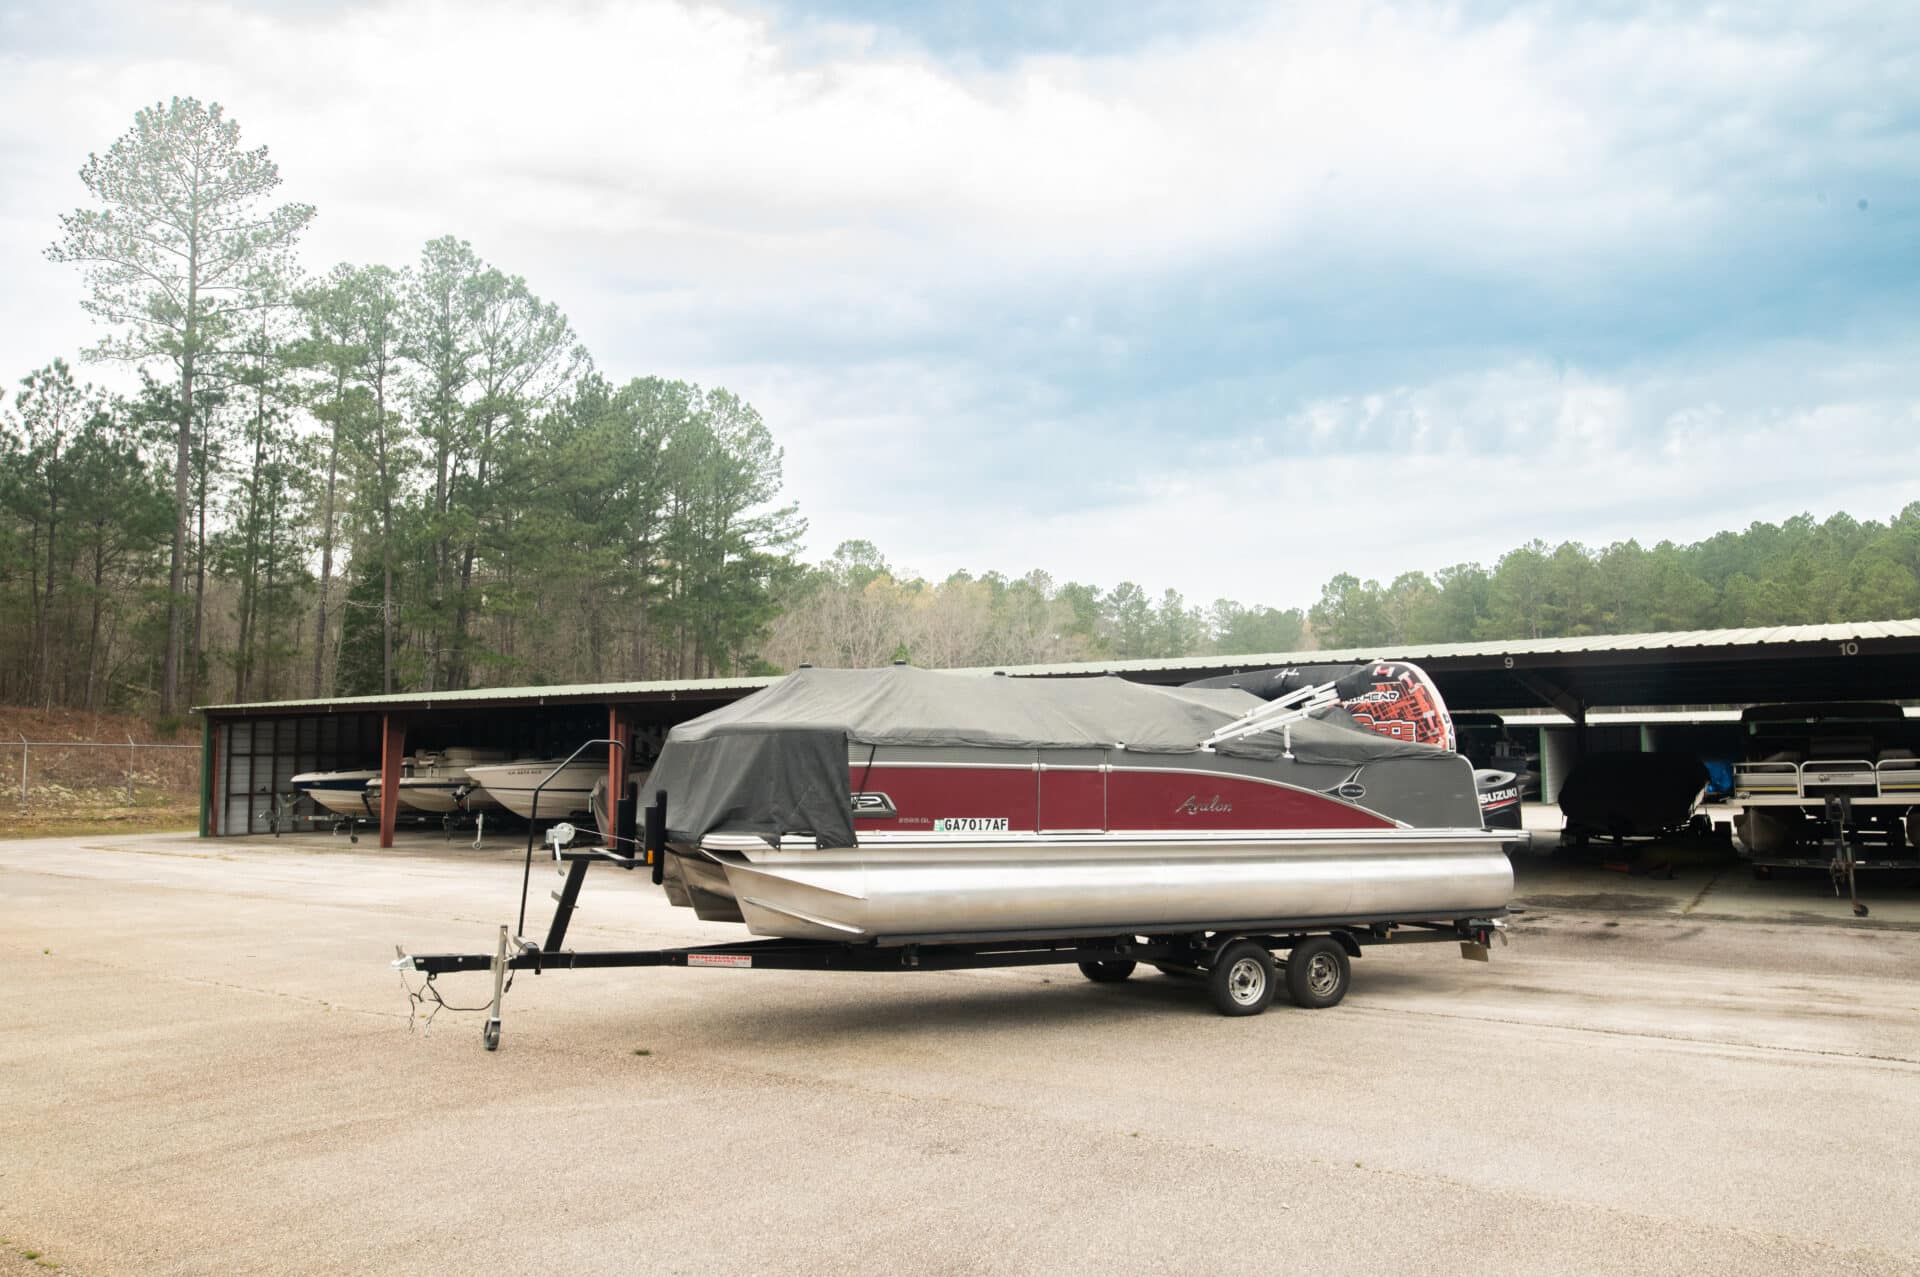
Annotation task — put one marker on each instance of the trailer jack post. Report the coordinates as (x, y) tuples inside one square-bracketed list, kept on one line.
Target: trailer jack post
[(490, 1033), (654, 835)]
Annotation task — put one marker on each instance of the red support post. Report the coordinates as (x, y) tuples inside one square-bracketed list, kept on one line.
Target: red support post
[(619, 728), (393, 748)]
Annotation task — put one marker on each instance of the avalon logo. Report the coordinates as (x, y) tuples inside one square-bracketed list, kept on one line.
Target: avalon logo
[(1353, 791), (1194, 807), (873, 806)]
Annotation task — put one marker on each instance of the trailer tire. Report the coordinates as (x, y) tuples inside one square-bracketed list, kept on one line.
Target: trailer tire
[(1318, 973), (1242, 978), (1107, 970)]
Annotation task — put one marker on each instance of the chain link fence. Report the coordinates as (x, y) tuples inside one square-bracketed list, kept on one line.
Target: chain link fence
[(58, 776)]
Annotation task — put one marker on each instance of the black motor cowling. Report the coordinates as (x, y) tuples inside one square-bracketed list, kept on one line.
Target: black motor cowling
[(1499, 795)]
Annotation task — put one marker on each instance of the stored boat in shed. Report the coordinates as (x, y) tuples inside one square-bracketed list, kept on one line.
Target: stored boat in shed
[(438, 783), (343, 793), (565, 793)]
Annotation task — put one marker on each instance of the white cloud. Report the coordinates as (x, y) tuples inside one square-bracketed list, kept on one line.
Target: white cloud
[(687, 144), (1555, 453), (916, 268)]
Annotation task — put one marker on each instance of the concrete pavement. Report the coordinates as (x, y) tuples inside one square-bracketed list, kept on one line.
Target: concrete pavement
[(208, 1069)]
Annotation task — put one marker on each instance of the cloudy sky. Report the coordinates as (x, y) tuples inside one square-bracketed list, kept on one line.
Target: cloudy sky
[(1209, 296)]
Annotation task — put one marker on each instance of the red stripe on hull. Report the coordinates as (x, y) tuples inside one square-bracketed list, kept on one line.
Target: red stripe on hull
[(1132, 799), (1187, 800)]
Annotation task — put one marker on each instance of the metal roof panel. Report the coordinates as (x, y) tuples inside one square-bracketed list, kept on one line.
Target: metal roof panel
[(1852, 631)]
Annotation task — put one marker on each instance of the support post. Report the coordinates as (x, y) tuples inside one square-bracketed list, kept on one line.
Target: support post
[(620, 729), (1574, 707), (393, 748), (211, 796)]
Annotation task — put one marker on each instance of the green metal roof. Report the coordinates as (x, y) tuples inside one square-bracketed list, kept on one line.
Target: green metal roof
[(556, 694), (1856, 631), (1631, 648)]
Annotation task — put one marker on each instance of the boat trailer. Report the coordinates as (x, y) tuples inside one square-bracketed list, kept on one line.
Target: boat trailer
[(1235, 959)]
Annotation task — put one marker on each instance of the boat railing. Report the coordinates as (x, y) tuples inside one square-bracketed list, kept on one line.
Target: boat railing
[(1278, 713), (533, 815), (1815, 779)]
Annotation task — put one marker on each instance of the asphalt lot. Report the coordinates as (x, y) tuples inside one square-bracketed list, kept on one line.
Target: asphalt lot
[(208, 1068)]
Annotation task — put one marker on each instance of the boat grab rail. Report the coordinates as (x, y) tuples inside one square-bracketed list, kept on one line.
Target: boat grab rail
[(533, 814), (1290, 708), (1820, 772)]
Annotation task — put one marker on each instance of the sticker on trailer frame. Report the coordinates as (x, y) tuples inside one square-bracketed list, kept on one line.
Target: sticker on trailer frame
[(970, 825), (719, 959)]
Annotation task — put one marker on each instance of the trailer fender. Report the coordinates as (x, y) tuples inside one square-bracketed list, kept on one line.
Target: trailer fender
[(1347, 942)]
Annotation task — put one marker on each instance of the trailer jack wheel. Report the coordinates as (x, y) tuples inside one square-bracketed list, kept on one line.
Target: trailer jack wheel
[(1107, 970), (490, 1034), (1242, 978), (1318, 973)]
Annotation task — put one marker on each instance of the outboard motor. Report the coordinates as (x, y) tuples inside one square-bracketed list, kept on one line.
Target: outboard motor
[(1393, 698), (1499, 795)]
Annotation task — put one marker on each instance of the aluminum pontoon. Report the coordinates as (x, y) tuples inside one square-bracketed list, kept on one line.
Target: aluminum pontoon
[(1832, 786)]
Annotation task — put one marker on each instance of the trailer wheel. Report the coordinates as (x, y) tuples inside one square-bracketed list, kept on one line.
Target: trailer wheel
[(1107, 970), (1318, 972), (1241, 979)]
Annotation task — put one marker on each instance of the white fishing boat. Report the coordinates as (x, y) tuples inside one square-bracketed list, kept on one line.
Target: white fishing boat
[(439, 783), (342, 792), (567, 794)]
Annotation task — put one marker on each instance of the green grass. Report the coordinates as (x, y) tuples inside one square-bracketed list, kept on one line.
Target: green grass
[(71, 824)]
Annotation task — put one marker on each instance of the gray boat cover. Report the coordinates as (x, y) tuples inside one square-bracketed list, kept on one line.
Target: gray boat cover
[(775, 763)]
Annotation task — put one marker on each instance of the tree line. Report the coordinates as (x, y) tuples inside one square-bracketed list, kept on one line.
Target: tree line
[(379, 478), (853, 609), (1796, 572), (387, 478)]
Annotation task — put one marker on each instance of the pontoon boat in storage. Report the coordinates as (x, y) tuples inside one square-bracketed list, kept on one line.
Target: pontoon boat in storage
[(861, 804)]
